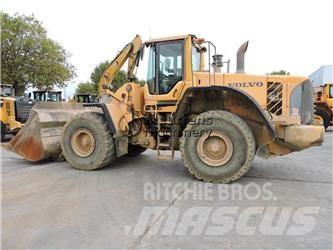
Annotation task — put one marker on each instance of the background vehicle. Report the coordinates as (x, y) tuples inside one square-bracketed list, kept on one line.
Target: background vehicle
[(46, 95), (14, 110), (323, 102), (86, 98), (218, 121)]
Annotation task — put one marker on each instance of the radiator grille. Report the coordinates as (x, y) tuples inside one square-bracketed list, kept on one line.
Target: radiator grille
[(274, 98)]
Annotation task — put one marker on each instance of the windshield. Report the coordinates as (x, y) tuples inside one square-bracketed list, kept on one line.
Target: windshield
[(54, 97), (165, 66), (170, 67), (39, 96)]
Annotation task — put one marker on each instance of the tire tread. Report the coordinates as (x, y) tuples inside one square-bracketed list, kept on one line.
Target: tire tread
[(109, 154), (244, 127)]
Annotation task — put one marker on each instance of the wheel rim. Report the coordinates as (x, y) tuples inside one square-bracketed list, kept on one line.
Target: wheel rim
[(83, 142), (214, 148)]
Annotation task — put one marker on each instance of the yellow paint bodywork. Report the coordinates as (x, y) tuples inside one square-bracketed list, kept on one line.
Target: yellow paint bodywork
[(201, 79), (7, 114), (258, 93), (129, 52), (138, 102)]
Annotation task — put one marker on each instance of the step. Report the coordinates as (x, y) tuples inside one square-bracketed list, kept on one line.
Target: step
[(165, 157)]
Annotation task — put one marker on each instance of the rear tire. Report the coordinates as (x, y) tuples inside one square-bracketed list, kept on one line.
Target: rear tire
[(135, 150), (219, 152), (87, 142), (325, 116)]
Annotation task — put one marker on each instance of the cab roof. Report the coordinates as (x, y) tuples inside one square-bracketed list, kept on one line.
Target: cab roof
[(49, 91), (165, 39)]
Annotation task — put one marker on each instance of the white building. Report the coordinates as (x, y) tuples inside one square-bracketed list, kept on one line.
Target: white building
[(322, 75)]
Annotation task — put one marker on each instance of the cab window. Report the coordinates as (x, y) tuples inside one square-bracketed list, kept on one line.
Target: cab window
[(40, 96), (151, 70), (195, 59), (170, 65)]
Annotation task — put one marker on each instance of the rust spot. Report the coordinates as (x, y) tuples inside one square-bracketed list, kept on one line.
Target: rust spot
[(28, 147)]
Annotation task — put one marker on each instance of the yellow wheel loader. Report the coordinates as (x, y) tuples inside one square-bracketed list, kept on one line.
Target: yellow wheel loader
[(14, 110), (324, 103), (218, 121)]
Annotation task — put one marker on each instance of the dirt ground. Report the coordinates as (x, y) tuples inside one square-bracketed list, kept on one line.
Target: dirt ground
[(50, 205)]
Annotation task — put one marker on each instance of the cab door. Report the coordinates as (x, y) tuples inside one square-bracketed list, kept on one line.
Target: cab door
[(166, 72)]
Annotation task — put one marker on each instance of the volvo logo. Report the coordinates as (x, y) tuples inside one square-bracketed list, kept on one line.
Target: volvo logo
[(246, 84)]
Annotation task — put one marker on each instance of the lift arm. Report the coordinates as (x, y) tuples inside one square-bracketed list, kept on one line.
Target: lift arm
[(130, 52)]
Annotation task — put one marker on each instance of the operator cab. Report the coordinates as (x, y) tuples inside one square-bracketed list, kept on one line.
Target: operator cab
[(165, 64), (86, 98), (46, 96)]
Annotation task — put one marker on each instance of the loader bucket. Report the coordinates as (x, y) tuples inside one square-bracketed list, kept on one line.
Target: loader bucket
[(40, 136)]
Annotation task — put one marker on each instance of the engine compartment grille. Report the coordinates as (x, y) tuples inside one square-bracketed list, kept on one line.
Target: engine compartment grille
[(274, 97)]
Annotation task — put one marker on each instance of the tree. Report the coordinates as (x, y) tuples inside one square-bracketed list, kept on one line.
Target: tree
[(86, 88), (29, 57), (141, 82), (98, 71), (280, 72), (117, 82)]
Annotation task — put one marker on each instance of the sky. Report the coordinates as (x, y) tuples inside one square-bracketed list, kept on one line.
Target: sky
[(292, 35)]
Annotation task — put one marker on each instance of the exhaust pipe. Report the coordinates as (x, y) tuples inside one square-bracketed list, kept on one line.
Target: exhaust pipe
[(240, 57)]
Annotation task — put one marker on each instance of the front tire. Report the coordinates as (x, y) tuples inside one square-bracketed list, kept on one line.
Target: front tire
[(219, 152), (87, 142)]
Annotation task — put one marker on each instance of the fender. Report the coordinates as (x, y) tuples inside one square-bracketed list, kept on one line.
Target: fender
[(121, 141), (105, 112), (231, 99)]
